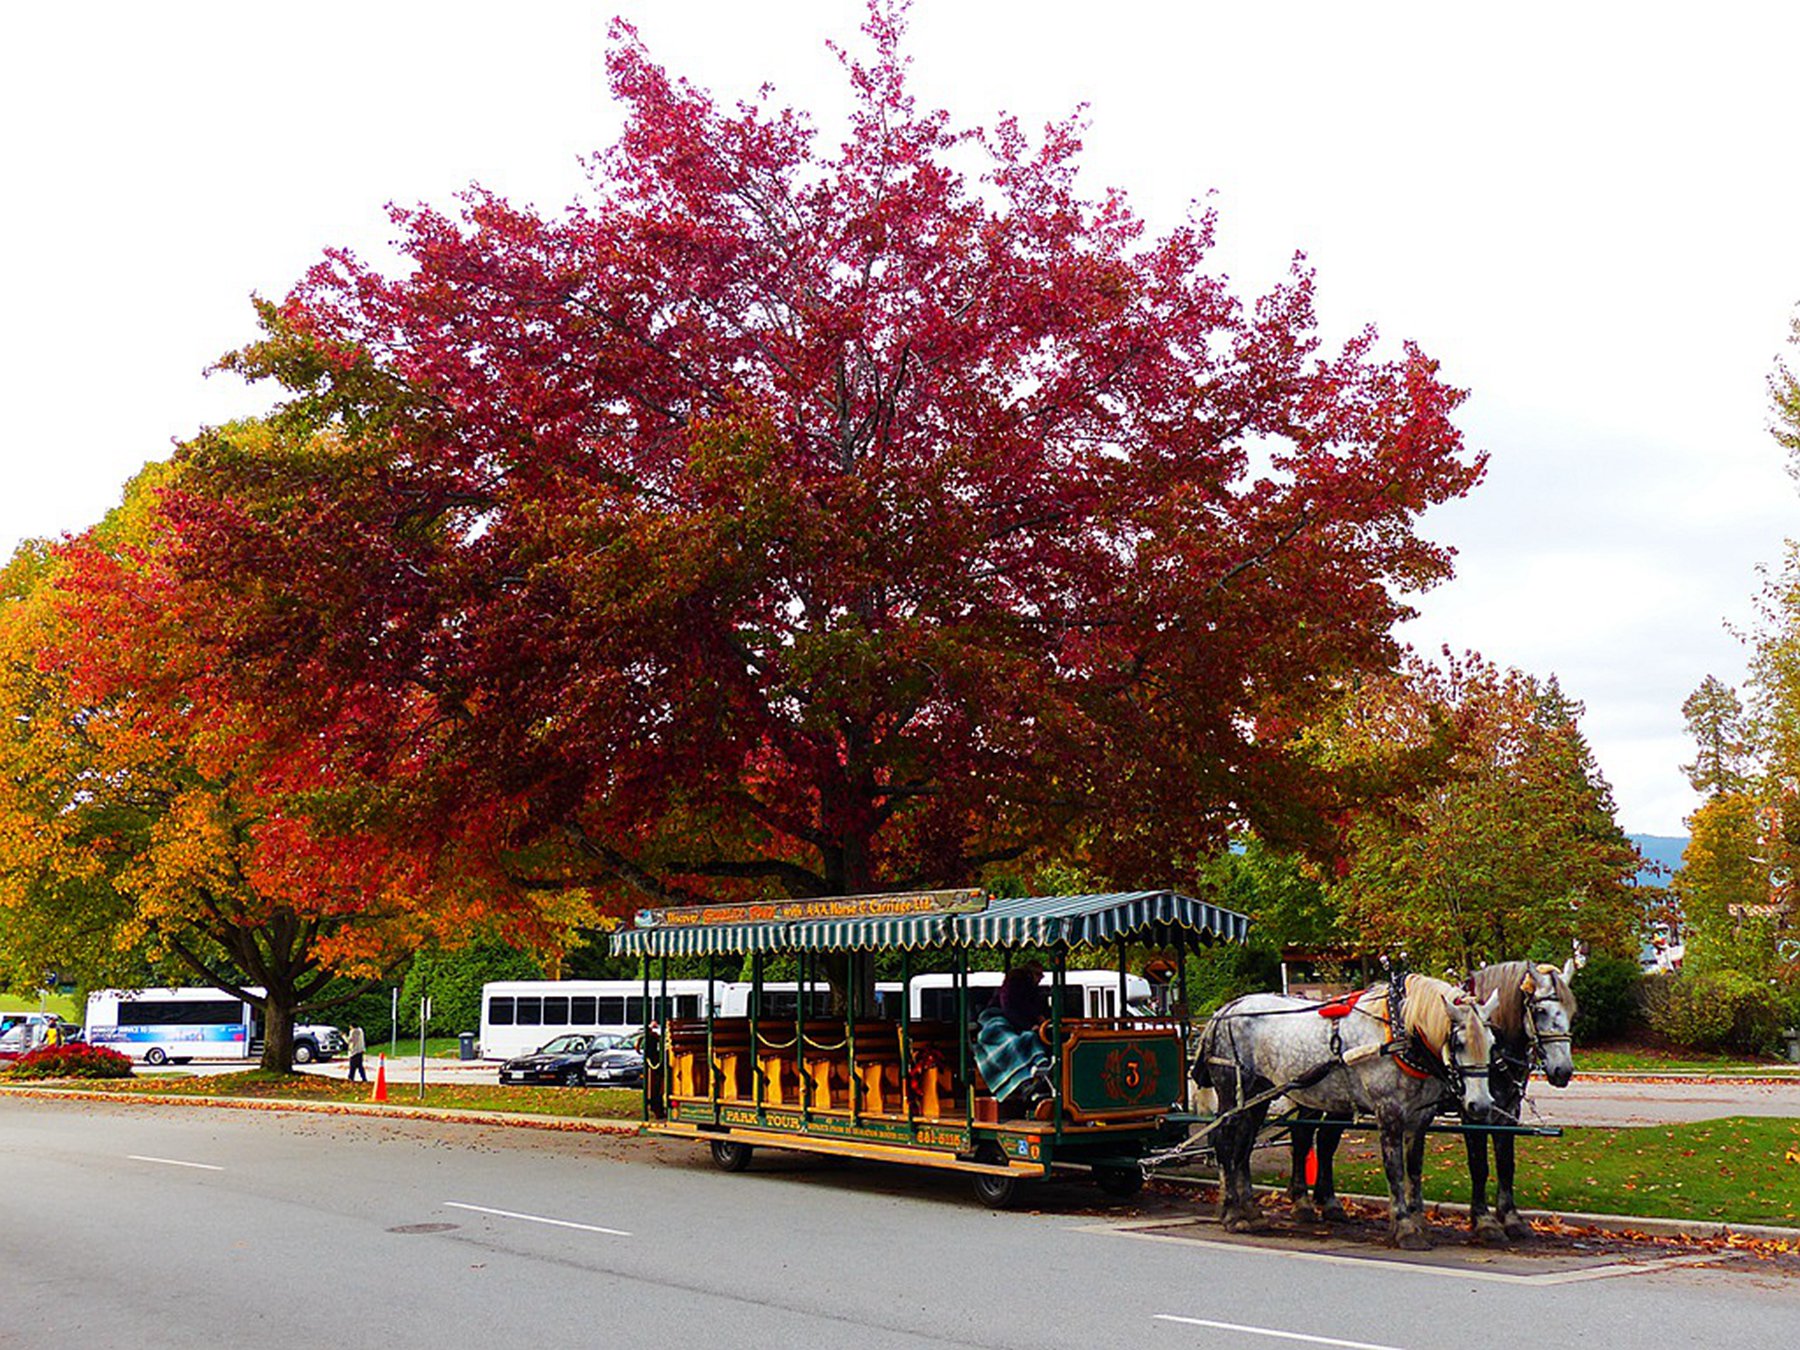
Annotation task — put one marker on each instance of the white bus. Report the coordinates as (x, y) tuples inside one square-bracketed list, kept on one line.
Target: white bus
[(163, 1025), (159, 1025), (1086, 993), (517, 1016)]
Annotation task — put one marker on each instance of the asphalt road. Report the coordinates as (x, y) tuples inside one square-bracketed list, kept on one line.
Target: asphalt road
[(1588, 1101), (180, 1226)]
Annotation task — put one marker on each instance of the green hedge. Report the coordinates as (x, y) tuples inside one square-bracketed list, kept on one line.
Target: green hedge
[(1717, 1010), (1609, 996)]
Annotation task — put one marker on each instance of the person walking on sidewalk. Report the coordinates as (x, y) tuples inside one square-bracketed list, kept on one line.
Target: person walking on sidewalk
[(358, 1046)]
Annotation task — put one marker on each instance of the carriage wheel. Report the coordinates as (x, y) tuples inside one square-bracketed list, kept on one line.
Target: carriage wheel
[(1121, 1183), (993, 1190), (729, 1155), (996, 1192)]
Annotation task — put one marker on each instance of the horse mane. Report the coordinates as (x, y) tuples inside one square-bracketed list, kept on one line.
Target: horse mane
[(1560, 986), (1427, 1012), (1507, 978)]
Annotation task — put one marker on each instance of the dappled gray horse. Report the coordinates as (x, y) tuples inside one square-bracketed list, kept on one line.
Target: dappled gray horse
[(1530, 1023), (1531, 1026), (1264, 1044)]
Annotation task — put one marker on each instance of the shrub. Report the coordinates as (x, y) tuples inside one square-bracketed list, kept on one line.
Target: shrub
[(1609, 994), (75, 1060), (1718, 1010)]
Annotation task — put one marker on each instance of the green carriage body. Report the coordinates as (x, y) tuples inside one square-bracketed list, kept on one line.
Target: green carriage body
[(905, 1090)]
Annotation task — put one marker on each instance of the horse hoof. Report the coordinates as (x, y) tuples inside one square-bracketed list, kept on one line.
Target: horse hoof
[(1334, 1213), (1238, 1222), (1489, 1230), (1517, 1227), (1305, 1211), (1411, 1235)]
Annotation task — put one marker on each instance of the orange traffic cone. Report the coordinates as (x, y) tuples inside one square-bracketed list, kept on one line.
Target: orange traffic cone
[(380, 1093)]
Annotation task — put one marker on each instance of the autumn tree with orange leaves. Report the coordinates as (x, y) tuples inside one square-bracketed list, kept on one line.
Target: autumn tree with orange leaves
[(138, 831)]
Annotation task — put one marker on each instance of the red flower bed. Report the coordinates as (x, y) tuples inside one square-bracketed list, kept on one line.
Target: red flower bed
[(75, 1060)]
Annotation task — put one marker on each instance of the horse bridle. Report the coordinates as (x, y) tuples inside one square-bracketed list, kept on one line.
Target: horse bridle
[(1539, 1039)]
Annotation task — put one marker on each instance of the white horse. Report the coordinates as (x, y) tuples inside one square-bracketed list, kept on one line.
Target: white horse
[(1265, 1045)]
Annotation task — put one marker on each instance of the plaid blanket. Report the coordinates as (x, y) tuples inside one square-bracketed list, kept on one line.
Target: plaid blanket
[(1006, 1056)]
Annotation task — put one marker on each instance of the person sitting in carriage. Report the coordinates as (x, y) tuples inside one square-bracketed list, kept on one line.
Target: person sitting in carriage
[(1012, 1057)]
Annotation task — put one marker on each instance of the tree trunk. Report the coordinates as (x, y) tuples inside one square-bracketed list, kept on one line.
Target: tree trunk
[(278, 1034)]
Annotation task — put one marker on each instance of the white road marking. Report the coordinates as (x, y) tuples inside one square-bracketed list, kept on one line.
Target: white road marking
[(538, 1218), (173, 1162), (1266, 1331), (1454, 1272)]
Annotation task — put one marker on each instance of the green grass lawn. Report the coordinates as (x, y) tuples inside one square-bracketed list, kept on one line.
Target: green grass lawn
[(1744, 1169), (436, 1047), (1637, 1059), (60, 1004), (578, 1103)]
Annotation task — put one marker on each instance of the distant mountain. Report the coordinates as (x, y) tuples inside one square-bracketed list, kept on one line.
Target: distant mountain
[(1662, 852)]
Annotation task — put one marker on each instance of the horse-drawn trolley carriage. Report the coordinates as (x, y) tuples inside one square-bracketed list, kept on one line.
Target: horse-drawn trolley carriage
[(877, 1071)]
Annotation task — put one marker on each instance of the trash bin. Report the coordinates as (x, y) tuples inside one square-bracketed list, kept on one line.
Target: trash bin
[(466, 1044), (1793, 1043)]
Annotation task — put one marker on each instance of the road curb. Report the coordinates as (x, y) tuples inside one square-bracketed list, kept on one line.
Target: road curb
[(1607, 1223), (379, 1110)]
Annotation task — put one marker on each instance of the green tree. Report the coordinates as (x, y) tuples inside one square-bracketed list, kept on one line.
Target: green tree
[(1715, 720), (1515, 846), (1784, 396)]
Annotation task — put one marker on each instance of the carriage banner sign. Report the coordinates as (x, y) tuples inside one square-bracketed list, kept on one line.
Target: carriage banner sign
[(904, 905)]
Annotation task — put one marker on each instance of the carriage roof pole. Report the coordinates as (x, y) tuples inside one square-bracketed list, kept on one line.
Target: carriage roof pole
[(800, 1073), (662, 1014), (712, 1063), (756, 1069), (662, 1051), (1059, 981), (852, 978), (962, 1033), (1121, 1012), (906, 1034)]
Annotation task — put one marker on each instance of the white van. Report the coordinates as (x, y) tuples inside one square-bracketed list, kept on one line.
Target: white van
[(160, 1026)]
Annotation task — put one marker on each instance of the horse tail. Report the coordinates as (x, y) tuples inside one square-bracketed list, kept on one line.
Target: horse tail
[(1209, 1038)]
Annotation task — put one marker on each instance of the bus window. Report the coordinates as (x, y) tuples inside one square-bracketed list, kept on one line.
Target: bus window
[(634, 1010), (182, 1012), (556, 1011), (939, 1005), (612, 1012), (530, 1011), (687, 1005), (581, 1011), (500, 1011)]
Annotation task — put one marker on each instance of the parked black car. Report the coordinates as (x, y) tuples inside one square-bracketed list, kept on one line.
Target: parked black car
[(559, 1060), (616, 1061)]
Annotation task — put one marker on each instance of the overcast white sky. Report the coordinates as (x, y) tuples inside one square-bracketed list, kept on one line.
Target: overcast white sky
[(1587, 213)]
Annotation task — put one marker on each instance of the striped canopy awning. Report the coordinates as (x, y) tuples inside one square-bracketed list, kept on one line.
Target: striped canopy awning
[(1028, 921)]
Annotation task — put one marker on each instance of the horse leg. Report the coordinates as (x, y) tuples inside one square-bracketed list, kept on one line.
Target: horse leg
[(1304, 1138), (1404, 1227), (1331, 1209), (1415, 1170), (1516, 1226), (1239, 1212), (1486, 1227)]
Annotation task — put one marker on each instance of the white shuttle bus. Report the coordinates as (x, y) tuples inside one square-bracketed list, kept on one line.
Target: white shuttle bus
[(160, 1025), (517, 1016), (1086, 993)]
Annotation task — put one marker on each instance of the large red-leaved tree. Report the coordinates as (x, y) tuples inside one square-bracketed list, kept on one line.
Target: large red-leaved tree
[(811, 519)]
